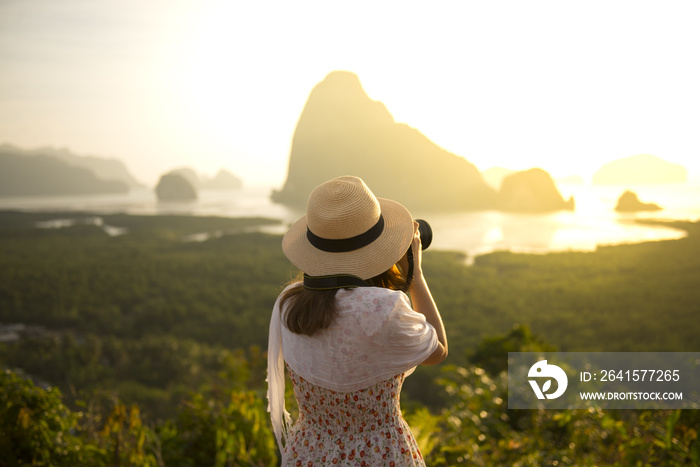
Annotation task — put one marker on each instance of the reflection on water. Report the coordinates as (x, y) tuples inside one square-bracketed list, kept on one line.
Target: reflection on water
[(111, 230), (275, 229), (249, 202), (484, 232), (679, 202), (593, 223)]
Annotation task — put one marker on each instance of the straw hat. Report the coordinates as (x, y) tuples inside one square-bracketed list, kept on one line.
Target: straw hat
[(347, 230)]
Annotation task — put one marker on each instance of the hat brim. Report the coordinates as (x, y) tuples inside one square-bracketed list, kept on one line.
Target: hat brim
[(366, 262)]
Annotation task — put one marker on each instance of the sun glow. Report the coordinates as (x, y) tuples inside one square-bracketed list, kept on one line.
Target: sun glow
[(222, 84)]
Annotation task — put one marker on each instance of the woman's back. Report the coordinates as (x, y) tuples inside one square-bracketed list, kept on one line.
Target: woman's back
[(375, 336)]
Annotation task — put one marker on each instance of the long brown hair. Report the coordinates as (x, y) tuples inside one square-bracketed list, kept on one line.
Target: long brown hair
[(310, 310)]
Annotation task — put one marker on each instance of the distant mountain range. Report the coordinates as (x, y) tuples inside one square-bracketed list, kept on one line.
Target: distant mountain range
[(44, 173), (103, 168), (51, 171), (223, 180), (341, 131), (642, 169)]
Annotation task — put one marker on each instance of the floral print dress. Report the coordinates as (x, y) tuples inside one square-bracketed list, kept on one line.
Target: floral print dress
[(360, 428), (347, 380)]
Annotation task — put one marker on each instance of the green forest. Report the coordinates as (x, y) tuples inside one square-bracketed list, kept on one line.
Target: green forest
[(148, 348)]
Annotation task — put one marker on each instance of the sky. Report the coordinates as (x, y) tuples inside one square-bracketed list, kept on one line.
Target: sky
[(210, 84)]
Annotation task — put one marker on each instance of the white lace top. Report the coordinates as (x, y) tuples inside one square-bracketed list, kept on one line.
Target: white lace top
[(375, 336)]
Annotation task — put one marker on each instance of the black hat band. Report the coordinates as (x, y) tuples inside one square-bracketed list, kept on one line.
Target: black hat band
[(343, 245)]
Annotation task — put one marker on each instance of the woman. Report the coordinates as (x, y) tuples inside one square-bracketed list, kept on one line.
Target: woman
[(348, 333)]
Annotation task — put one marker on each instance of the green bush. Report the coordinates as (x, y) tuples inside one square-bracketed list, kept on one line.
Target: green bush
[(37, 429)]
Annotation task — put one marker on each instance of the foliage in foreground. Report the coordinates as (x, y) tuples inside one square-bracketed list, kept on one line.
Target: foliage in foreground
[(231, 427), (475, 426), (36, 428)]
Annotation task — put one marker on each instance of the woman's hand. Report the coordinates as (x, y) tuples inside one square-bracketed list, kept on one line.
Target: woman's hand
[(417, 248)]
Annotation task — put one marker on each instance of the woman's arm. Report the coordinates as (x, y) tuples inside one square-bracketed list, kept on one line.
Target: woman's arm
[(424, 304)]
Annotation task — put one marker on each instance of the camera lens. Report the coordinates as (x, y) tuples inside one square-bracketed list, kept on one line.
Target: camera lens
[(426, 233)]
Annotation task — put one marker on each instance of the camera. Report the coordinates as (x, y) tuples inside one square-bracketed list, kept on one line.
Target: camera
[(426, 238), (426, 233)]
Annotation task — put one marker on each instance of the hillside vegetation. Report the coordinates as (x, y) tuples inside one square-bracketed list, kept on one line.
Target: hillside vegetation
[(154, 346)]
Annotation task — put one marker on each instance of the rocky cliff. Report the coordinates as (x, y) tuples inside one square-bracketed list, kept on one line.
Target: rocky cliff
[(531, 191), (341, 131), (174, 187), (629, 202)]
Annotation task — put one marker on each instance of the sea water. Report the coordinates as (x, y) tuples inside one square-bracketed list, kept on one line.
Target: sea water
[(594, 222)]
